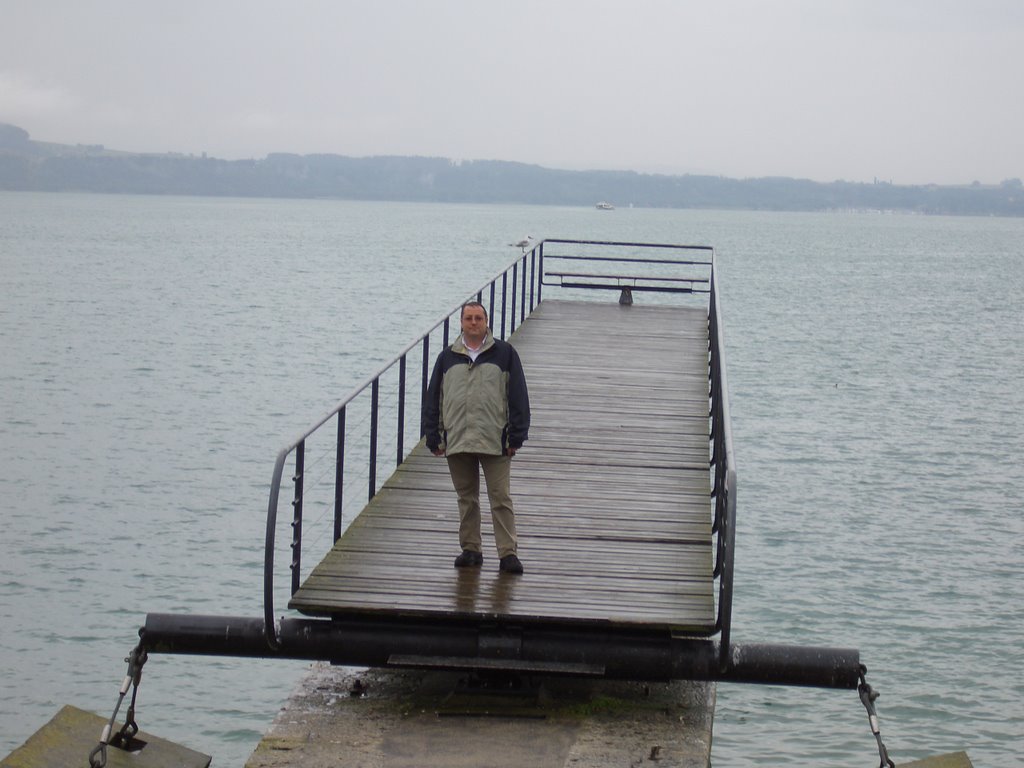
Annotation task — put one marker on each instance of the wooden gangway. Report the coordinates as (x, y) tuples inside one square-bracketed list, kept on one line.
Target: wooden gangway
[(625, 495), (612, 491)]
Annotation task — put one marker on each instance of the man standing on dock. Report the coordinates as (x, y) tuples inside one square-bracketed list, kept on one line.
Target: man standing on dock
[(477, 415)]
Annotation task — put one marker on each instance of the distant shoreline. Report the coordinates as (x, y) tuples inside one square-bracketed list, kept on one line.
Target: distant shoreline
[(27, 165)]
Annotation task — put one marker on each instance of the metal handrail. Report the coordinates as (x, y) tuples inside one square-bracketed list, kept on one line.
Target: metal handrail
[(722, 457), (526, 275), (723, 461), (525, 293), (633, 282)]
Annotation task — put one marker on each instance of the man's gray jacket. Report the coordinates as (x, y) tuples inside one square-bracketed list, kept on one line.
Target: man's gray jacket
[(477, 407)]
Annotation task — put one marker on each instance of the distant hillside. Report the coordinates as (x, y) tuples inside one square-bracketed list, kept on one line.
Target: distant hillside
[(27, 165)]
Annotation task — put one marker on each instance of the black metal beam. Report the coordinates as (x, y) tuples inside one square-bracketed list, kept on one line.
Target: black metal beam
[(623, 654)]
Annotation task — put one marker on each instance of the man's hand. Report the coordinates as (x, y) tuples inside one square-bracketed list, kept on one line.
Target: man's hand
[(510, 451), (438, 451)]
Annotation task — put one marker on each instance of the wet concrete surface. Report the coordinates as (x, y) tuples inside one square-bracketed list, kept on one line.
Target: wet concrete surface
[(381, 718)]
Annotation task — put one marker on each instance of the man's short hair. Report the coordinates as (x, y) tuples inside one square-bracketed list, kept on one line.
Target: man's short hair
[(462, 311)]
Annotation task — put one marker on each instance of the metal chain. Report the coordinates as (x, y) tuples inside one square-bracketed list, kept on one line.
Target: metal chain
[(867, 698), (98, 757)]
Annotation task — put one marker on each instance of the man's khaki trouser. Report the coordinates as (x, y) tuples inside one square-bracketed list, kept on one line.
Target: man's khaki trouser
[(465, 472)]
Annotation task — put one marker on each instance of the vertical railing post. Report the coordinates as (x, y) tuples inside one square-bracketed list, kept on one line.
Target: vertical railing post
[(339, 474), (533, 275), (504, 296), (447, 326), (300, 465), (540, 272), (425, 379), (374, 402), (515, 285), (401, 412), (490, 312), (522, 295)]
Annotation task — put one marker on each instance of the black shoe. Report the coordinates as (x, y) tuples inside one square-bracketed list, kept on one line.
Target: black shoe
[(469, 559), (510, 564)]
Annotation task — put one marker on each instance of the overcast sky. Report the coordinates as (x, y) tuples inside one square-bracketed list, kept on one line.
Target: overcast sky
[(912, 91)]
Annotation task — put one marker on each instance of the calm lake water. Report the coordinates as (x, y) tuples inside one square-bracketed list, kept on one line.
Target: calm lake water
[(157, 352)]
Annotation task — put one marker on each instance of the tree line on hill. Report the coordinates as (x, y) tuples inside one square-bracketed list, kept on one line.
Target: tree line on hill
[(27, 165)]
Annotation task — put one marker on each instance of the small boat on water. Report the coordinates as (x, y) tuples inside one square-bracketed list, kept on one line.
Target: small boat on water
[(605, 206)]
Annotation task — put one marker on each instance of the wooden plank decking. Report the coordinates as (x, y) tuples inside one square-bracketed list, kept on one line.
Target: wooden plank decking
[(611, 491)]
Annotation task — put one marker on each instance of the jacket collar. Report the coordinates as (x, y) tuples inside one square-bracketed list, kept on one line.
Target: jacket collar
[(459, 346)]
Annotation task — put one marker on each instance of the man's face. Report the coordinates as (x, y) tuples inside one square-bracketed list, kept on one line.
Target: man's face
[(474, 322)]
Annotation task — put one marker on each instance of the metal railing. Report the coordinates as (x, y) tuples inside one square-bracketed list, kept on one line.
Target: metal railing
[(703, 280), (641, 278), (511, 296), (724, 466)]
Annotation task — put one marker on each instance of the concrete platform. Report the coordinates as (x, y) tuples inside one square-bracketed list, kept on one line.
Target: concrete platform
[(385, 718), (69, 738)]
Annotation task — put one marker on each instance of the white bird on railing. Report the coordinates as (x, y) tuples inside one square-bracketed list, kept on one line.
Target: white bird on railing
[(525, 243)]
